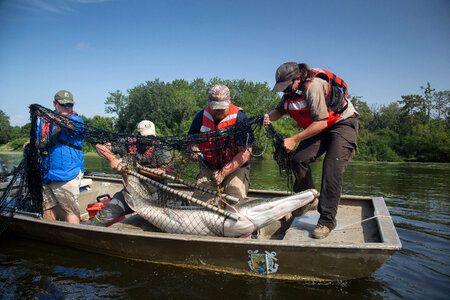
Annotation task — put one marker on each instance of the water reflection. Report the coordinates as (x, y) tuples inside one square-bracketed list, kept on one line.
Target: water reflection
[(58, 272)]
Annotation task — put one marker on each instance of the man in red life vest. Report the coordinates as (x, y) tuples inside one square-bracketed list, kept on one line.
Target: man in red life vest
[(221, 164), (316, 100)]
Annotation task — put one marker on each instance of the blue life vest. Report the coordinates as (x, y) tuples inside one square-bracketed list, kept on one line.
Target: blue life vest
[(62, 162)]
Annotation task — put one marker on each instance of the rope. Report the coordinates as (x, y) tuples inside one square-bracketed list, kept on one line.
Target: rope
[(265, 144), (226, 204), (359, 222)]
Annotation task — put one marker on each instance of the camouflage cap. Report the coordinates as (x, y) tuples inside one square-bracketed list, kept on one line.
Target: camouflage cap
[(284, 75), (64, 97), (219, 97)]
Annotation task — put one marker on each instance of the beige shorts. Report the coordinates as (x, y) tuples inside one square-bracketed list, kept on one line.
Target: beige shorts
[(235, 184), (63, 195)]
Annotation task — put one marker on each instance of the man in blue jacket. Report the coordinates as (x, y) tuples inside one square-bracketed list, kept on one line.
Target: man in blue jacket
[(62, 161)]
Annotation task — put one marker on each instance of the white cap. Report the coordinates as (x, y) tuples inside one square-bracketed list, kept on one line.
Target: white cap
[(146, 127)]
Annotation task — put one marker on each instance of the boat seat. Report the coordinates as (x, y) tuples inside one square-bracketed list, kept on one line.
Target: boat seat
[(302, 227), (350, 228)]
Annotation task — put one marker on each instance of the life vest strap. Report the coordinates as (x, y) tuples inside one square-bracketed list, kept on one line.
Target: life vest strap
[(341, 110), (70, 145)]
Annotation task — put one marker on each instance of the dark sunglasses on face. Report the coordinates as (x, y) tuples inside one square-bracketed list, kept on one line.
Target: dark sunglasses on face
[(66, 104)]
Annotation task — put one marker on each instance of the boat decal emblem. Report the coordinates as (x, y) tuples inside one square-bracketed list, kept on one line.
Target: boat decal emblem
[(263, 263)]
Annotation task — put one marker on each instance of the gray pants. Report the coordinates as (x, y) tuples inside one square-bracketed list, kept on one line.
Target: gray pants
[(339, 144), (116, 208)]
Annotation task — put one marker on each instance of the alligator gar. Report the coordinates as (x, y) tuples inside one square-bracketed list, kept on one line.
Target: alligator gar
[(251, 215)]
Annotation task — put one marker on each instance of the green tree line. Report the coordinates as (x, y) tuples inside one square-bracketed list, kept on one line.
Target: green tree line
[(415, 127)]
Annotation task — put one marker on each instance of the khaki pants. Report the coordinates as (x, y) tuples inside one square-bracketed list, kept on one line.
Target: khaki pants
[(235, 184), (63, 196)]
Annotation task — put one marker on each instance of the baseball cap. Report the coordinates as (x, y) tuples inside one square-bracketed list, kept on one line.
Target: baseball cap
[(219, 97), (64, 97), (146, 127), (284, 75)]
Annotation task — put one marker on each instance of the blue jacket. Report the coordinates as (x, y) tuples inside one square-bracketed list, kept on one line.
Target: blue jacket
[(63, 163)]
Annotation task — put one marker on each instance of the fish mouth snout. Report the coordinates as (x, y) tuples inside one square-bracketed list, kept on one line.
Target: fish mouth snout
[(314, 192)]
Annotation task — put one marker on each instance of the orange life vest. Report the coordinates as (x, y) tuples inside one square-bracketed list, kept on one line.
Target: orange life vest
[(335, 98), (132, 147), (218, 156)]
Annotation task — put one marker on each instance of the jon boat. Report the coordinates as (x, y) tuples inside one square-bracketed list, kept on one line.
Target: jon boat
[(363, 241)]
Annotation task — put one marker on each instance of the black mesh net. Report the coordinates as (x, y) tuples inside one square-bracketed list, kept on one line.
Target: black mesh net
[(148, 163)]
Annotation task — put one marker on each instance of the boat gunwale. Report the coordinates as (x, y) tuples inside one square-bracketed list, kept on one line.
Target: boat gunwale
[(385, 224)]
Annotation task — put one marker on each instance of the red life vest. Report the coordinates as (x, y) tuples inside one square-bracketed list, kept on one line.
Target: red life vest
[(132, 147), (218, 156), (335, 98)]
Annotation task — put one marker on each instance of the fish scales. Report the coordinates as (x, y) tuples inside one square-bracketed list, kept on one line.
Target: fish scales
[(172, 218)]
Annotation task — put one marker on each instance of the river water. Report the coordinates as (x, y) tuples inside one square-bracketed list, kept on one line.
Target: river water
[(417, 195)]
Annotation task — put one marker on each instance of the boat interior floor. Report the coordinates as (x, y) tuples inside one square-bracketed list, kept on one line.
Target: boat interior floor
[(351, 219), (354, 220)]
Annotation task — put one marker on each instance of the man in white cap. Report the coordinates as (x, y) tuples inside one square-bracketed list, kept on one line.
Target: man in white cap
[(146, 128), (219, 165), (147, 152)]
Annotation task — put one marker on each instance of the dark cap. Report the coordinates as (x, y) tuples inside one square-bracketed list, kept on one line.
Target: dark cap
[(64, 97), (284, 75)]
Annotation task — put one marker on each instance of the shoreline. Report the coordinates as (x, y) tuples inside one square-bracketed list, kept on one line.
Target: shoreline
[(354, 160)]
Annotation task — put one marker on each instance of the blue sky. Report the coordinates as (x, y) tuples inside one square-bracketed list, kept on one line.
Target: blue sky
[(382, 49)]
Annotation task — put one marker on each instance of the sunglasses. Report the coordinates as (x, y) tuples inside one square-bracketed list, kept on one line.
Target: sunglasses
[(66, 104)]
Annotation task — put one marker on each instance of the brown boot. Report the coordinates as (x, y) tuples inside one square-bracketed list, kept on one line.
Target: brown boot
[(304, 209), (321, 232)]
